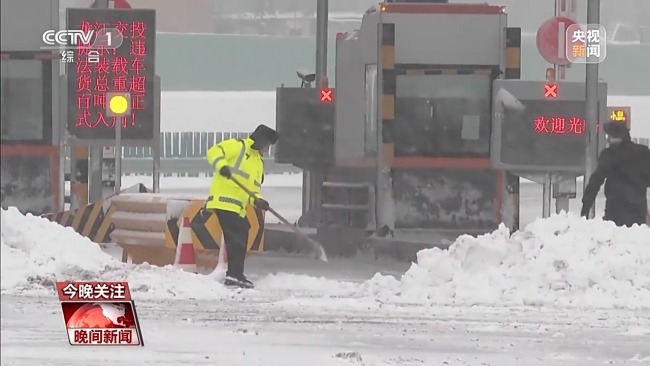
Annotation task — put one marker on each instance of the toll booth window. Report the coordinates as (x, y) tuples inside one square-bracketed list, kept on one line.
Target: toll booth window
[(22, 98), (442, 115)]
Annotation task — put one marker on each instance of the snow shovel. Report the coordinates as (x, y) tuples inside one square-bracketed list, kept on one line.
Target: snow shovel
[(317, 248)]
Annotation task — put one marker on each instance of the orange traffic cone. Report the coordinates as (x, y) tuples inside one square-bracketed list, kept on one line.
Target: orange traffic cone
[(185, 256)]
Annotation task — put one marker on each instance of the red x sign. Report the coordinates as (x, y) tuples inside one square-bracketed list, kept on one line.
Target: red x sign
[(550, 90), (326, 95)]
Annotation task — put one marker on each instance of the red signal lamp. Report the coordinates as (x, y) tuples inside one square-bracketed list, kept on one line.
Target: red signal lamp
[(550, 90), (326, 95)]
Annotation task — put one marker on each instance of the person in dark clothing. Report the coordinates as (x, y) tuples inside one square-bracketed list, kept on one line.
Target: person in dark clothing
[(625, 166)]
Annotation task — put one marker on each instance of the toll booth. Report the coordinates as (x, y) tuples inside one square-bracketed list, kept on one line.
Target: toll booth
[(410, 157), (30, 104), (540, 132)]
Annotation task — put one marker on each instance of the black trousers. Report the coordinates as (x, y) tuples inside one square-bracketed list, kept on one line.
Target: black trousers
[(235, 235)]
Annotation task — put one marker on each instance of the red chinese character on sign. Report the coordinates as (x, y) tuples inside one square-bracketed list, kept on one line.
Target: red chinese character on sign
[(102, 119), (125, 120), (122, 28), (138, 29), (138, 48), (119, 83), (103, 66), (82, 119), (80, 336), (83, 67), (576, 125), (125, 336), (137, 102), (83, 101), (137, 84), (137, 65), (541, 125), (101, 84), (99, 100), (110, 336), (85, 26), (102, 50), (100, 25), (83, 83), (558, 125), (82, 50), (95, 336), (119, 65)]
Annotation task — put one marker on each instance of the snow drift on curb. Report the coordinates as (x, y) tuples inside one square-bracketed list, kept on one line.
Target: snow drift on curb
[(37, 252), (564, 260)]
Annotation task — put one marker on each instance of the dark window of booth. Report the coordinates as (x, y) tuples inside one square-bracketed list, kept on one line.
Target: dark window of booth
[(443, 115), (26, 101)]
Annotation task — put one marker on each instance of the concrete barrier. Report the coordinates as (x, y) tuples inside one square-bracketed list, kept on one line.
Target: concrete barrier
[(139, 222), (95, 220), (146, 227)]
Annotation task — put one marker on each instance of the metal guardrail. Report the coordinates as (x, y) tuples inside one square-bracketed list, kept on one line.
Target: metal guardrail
[(183, 154), (187, 144), (643, 141)]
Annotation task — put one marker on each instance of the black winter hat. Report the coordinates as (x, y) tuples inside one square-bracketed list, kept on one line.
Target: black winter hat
[(617, 130), (266, 134)]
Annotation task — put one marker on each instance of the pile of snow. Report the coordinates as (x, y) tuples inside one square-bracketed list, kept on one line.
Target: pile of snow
[(564, 260), (37, 252), (560, 261)]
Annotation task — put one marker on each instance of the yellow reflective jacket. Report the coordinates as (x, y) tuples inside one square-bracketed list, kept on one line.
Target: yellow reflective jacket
[(246, 166)]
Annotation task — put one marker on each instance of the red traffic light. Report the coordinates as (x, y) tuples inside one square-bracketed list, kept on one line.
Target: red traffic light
[(326, 95)]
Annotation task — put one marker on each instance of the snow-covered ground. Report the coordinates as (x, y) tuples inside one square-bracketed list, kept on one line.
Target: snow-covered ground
[(563, 291), (242, 111)]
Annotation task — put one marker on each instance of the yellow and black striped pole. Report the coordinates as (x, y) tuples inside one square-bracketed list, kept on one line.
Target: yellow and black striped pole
[(513, 71), (389, 78)]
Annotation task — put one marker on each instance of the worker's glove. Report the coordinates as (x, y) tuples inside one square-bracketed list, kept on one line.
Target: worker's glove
[(584, 212), (225, 172), (261, 204)]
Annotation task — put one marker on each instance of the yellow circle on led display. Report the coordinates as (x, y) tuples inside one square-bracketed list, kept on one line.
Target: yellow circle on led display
[(118, 104)]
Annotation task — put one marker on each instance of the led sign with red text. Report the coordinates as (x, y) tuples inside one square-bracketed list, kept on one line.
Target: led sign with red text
[(98, 70), (544, 133), (559, 125)]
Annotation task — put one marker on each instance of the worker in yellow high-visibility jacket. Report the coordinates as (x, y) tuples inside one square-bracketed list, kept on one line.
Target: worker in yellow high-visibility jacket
[(239, 160)]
